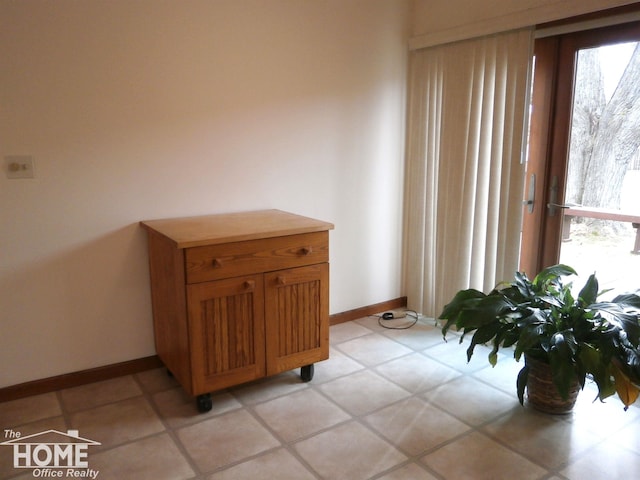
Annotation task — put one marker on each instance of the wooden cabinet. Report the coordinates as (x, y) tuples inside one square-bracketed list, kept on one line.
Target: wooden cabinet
[(238, 297)]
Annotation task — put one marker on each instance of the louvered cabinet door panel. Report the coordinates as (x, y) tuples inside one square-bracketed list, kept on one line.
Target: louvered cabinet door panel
[(226, 327), (297, 317)]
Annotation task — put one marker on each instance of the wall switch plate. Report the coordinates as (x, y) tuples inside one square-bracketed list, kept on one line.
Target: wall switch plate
[(19, 166)]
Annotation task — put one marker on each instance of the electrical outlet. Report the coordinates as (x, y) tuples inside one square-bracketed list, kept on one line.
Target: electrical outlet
[(19, 166)]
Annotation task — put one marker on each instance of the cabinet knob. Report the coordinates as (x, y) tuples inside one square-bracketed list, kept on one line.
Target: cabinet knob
[(249, 284), (306, 250), (217, 263), (281, 280)]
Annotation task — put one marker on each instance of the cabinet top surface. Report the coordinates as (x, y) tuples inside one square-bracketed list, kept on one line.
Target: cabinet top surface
[(233, 227)]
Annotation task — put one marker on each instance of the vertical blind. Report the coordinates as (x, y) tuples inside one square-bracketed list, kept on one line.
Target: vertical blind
[(468, 104)]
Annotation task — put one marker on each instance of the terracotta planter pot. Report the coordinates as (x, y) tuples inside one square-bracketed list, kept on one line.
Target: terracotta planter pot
[(542, 394)]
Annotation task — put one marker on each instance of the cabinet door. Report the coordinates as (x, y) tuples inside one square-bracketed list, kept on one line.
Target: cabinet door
[(226, 327), (297, 317)]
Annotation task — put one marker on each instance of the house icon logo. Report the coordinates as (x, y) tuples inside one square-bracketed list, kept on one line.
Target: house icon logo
[(51, 453)]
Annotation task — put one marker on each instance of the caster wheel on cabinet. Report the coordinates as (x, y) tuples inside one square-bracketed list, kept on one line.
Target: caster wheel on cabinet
[(306, 373), (204, 402)]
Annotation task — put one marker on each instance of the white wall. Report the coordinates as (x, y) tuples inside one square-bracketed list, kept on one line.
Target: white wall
[(159, 108)]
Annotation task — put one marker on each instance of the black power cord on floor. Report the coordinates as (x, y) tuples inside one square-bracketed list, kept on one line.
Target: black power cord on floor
[(387, 316)]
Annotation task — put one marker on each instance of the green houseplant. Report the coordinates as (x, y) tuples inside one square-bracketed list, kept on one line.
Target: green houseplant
[(574, 338)]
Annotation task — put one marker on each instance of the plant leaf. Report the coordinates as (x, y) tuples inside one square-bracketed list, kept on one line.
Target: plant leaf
[(493, 358), (562, 364), (628, 361), (552, 273), (589, 292), (483, 335), (510, 338), (631, 300), (453, 310), (627, 392), (521, 383), (529, 337), (459, 301), (523, 286), (625, 319), (592, 363)]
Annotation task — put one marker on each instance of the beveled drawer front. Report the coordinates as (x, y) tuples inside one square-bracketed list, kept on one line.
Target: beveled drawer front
[(214, 262)]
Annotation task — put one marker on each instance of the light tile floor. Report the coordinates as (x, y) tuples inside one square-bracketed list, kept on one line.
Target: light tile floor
[(388, 404)]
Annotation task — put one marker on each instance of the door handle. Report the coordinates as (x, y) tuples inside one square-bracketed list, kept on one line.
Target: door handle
[(553, 204)]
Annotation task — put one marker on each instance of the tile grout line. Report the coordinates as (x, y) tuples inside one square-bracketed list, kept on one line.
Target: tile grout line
[(472, 428), (247, 402), (169, 430)]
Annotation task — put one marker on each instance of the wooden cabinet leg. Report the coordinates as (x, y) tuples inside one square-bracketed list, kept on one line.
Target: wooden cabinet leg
[(306, 373), (204, 402)]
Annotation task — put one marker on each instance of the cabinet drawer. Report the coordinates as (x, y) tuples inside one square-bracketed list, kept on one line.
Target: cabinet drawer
[(214, 262)]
